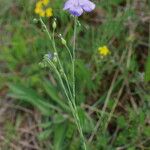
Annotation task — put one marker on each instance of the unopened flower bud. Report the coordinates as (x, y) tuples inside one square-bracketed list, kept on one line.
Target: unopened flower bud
[(60, 35), (63, 41), (35, 20), (54, 25)]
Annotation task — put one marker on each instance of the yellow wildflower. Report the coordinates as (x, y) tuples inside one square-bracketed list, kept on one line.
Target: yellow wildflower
[(37, 10), (48, 12), (38, 7), (42, 8), (45, 2), (42, 13), (39, 4), (103, 51)]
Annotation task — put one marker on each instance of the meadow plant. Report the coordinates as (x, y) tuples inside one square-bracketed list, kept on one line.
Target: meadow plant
[(75, 8), (88, 101)]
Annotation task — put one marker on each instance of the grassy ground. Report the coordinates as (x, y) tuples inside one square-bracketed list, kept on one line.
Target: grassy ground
[(113, 93)]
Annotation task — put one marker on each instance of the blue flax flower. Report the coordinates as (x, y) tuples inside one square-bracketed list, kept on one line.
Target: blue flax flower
[(77, 7)]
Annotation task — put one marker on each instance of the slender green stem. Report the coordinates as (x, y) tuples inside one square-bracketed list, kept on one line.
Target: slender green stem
[(74, 57), (74, 83), (71, 57), (43, 24), (73, 64)]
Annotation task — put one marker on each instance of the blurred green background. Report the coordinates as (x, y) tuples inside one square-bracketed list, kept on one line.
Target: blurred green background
[(34, 114)]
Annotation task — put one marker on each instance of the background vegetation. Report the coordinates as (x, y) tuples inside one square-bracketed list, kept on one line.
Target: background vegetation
[(34, 114)]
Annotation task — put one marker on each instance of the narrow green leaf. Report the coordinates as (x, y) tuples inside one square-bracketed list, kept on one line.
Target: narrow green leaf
[(29, 95), (59, 136)]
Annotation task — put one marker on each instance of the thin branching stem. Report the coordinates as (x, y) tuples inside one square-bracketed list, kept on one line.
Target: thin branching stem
[(60, 64), (54, 47), (72, 97)]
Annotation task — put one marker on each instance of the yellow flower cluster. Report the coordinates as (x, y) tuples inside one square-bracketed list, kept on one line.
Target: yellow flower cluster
[(42, 8), (103, 51)]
